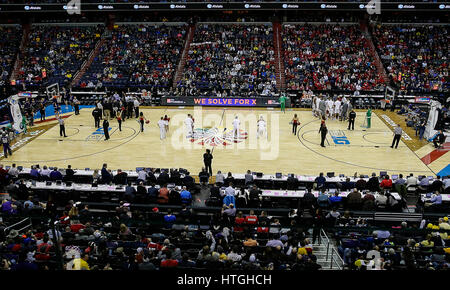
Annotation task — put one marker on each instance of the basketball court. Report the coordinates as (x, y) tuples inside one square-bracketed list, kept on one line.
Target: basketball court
[(362, 151)]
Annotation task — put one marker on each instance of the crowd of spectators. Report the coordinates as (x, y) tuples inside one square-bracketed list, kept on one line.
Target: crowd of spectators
[(59, 50), (415, 117), (406, 246), (137, 56), (328, 57), (171, 234), (229, 60), (9, 46), (140, 239), (414, 56)]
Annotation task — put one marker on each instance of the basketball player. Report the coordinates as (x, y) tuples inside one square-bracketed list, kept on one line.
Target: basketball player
[(162, 129), (167, 119), (344, 111), (189, 125), (317, 100), (315, 105), (236, 125), (330, 105), (262, 131), (337, 109), (322, 107)]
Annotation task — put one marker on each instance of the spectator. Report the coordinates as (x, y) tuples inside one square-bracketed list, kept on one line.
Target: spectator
[(55, 174), (186, 197)]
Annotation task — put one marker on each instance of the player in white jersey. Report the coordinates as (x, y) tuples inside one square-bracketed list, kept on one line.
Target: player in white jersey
[(162, 128), (317, 101), (337, 109), (330, 105), (262, 130), (236, 125), (314, 105), (189, 125)]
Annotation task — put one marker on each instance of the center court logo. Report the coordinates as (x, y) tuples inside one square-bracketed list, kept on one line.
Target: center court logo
[(216, 137), (97, 134), (339, 137), (210, 130)]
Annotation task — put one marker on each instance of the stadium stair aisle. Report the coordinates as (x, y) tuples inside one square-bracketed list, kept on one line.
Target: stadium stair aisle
[(89, 61), (279, 66), (187, 45), (23, 44), (374, 54), (320, 251)]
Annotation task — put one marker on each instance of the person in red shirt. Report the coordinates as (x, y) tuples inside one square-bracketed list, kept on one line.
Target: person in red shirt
[(168, 262), (76, 226), (386, 183), (163, 196), (251, 219), (239, 220)]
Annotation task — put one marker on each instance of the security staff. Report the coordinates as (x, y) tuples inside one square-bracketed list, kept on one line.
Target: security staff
[(207, 159), (62, 128), (96, 113), (105, 129), (351, 120), (6, 147), (323, 130), (42, 111)]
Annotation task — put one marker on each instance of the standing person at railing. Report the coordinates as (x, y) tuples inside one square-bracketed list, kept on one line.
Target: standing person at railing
[(42, 111), (318, 221)]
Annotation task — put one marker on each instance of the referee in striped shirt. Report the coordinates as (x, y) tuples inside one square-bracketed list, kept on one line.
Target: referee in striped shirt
[(397, 135), (62, 128)]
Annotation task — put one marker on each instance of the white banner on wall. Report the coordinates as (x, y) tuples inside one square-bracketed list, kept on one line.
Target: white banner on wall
[(432, 119), (16, 113)]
